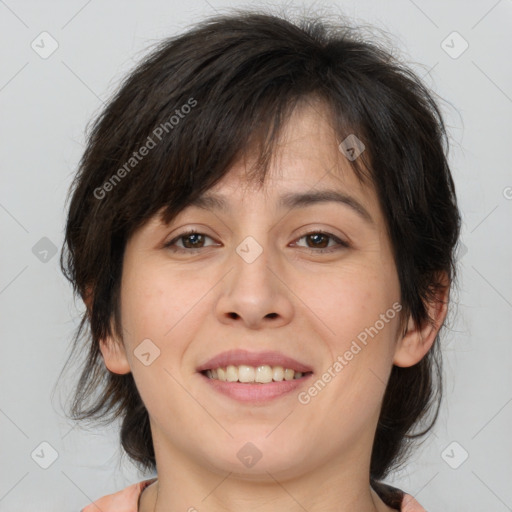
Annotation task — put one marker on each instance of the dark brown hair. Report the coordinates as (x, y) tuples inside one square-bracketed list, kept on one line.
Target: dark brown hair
[(222, 88)]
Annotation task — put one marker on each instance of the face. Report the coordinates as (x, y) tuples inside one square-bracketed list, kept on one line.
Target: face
[(312, 281)]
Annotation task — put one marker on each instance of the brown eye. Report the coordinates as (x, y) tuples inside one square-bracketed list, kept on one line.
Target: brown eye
[(190, 240), (320, 242), (193, 241)]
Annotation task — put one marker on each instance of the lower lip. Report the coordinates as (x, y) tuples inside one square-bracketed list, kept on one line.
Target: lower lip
[(255, 393)]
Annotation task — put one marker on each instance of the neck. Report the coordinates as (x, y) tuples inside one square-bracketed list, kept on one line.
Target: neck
[(182, 485)]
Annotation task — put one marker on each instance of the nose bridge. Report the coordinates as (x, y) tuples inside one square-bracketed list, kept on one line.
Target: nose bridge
[(252, 293), (251, 281)]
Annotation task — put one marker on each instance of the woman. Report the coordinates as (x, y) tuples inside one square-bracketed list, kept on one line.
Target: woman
[(263, 229)]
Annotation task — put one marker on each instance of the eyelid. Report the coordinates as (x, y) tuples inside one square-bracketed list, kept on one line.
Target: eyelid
[(342, 242), (308, 230), (184, 234)]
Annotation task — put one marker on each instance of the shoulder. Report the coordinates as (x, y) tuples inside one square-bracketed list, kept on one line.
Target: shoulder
[(126, 500), (409, 504)]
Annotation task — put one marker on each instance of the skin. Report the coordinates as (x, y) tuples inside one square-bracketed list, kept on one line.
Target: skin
[(314, 456)]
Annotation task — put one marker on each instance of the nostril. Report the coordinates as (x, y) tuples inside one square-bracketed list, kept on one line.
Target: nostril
[(234, 316)]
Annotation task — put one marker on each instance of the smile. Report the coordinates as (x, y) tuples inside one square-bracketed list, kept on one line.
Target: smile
[(262, 374)]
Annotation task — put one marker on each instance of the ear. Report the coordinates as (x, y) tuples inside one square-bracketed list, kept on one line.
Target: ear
[(418, 339), (114, 355), (112, 348), (87, 297)]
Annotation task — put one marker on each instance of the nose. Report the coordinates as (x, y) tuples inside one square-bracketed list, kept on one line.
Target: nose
[(254, 294)]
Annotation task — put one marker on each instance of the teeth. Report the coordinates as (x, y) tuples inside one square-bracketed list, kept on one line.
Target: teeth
[(278, 373), (250, 374), (246, 373), (289, 374), (231, 374), (264, 374)]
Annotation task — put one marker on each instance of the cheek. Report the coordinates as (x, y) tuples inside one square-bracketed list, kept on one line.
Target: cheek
[(350, 299), (154, 301), (157, 331), (168, 308), (359, 312), (151, 310)]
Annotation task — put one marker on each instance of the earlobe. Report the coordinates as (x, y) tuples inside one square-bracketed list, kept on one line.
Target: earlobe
[(413, 345), (87, 297), (112, 350), (418, 339), (114, 356)]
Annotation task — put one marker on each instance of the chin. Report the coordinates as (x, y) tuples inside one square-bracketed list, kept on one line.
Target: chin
[(252, 458)]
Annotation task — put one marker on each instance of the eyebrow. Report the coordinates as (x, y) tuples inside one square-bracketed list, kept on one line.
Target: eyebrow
[(292, 200)]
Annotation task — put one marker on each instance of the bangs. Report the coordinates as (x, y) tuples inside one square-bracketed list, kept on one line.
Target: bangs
[(207, 113)]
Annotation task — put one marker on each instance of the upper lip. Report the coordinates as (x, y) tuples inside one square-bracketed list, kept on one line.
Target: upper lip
[(239, 357)]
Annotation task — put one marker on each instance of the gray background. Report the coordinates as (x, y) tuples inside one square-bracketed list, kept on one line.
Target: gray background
[(46, 104)]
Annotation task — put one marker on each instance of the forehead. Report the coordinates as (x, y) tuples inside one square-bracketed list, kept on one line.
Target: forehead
[(307, 166)]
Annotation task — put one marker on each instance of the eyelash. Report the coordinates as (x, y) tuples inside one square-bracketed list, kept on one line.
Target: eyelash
[(342, 244)]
